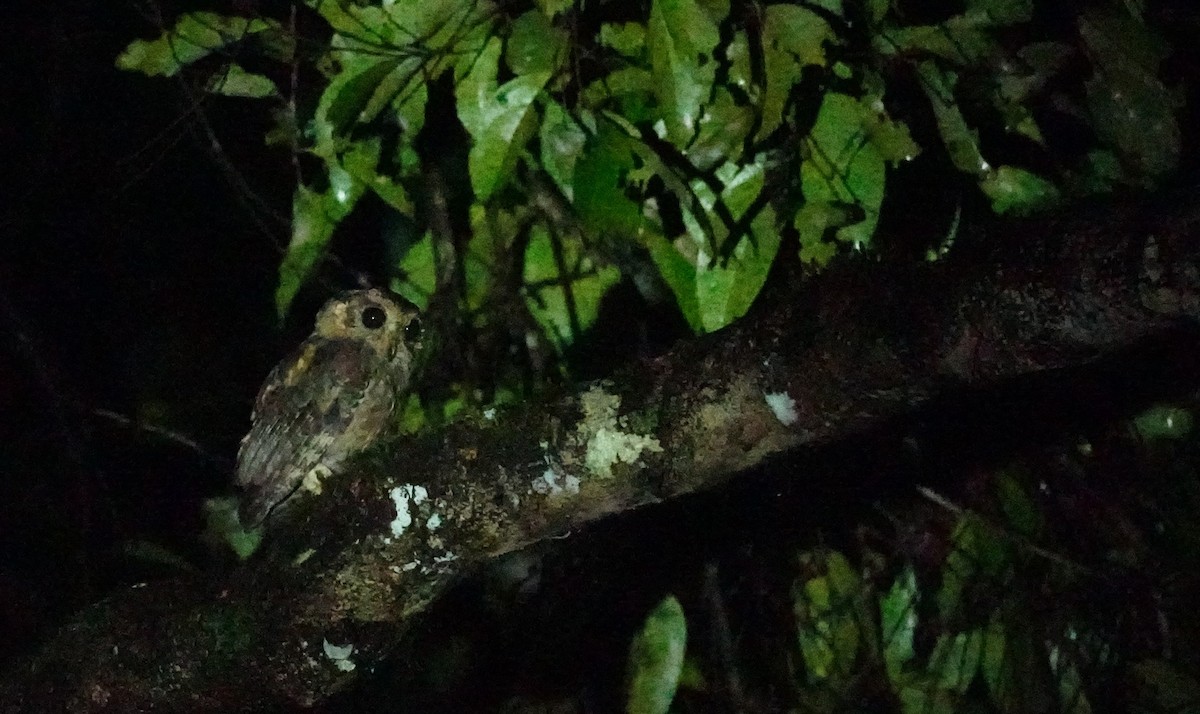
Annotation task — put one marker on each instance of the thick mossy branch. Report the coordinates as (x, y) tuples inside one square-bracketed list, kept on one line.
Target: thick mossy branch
[(340, 577)]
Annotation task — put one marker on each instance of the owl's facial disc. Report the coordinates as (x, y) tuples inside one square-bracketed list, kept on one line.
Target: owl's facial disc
[(373, 316)]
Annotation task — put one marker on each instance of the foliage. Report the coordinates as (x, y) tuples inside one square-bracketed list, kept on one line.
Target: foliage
[(683, 145), (1010, 618), (656, 659), (1002, 606)]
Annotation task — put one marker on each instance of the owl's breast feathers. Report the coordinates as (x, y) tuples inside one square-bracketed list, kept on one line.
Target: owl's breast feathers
[(331, 398)]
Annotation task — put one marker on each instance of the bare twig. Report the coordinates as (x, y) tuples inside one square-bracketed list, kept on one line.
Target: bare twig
[(163, 433)]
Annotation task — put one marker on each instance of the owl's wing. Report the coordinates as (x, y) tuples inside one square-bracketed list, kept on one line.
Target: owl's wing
[(301, 418)]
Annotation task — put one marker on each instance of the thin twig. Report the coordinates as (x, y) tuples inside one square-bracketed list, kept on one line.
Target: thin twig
[(723, 637), (162, 432), (1023, 541)]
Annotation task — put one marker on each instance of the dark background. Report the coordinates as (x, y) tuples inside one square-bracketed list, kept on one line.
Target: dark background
[(135, 281)]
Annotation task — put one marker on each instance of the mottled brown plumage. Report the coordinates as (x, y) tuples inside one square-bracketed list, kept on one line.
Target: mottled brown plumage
[(327, 401)]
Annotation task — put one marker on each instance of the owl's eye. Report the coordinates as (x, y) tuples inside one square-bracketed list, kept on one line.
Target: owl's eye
[(412, 331), (373, 317)]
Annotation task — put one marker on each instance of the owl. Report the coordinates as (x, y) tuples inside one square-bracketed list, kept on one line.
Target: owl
[(327, 401)]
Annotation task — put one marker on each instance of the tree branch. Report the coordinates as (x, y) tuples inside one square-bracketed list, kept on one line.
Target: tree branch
[(817, 362)]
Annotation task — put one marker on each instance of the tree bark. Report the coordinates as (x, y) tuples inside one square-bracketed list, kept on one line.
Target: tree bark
[(340, 577)]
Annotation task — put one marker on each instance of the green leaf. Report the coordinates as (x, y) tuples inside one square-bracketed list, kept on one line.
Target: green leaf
[(1064, 665), (1134, 113), (1017, 191), (346, 18), (403, 90), (725, 291), (555, 7), (1013, 665), (223, 529), (960, 140), (827, 619), (493, 234), (1018, 84), (682, 39), (565, 303), (833, 7), (360, 161), (285, 132), (351, 170), (237, 82), (441, 32), (713, 291), (627, 38), (795, 34), (535, 45), (311, 231), (898, 622), (499, 120), (314, 216), (562, 144), (630, 89), (955, 659), (195, 36), (877, 10), (419, 271), (1130, 107), (1165, 687), (999, 12), (1100, 172), (963, 40), (1019, 509), (656, 659), (350, 91), (1164, 422), (815, 221), (792, 37), (978, 559), (679, 273), (1011, 189), (600, 179), (722, 133), (1121, 41), (889, 137), (997, 667), (841, 166), (921, 697)]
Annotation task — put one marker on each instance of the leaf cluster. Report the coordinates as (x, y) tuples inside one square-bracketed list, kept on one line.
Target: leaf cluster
[(1027, 596), (681, 146)]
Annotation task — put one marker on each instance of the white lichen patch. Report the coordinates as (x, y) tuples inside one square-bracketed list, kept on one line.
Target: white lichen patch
[(438, 565), (783, 407), (339, 655), (609, 447), (433, 522), (406, 496), (602, 431), (599, 406), (552, 483)]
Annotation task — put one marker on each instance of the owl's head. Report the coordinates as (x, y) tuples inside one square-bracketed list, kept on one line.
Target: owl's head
[(383, 321)]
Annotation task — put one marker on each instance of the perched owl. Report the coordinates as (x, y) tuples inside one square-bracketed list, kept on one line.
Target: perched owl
[(327, 401)]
